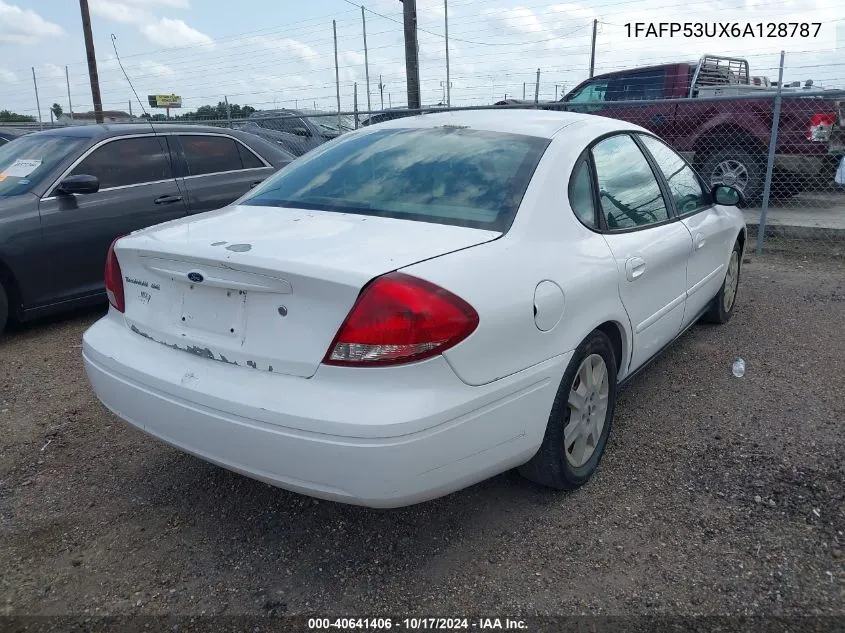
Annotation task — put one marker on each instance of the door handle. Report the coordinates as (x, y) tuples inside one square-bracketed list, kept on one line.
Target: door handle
[(634, 268), (699, 241), (167, 199), (658, 119)]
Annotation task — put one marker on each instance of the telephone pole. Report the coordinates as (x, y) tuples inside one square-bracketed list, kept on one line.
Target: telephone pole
[(593, 48), (92, 61), (412, 63), (366, 58)]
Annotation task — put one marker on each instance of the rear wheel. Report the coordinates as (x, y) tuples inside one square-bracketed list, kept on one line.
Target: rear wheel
[(739, 168), (580, 420), (722, 307)]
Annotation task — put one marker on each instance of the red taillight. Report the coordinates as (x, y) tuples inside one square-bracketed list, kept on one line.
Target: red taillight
[(114, 280), (401, 319), (821, 125)]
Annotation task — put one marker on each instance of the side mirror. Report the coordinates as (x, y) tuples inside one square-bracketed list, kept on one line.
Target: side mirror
[(301, 131), (726, 195), (81, 183)]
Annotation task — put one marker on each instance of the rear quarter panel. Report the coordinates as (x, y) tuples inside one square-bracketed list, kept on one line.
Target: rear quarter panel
[(499, 278)]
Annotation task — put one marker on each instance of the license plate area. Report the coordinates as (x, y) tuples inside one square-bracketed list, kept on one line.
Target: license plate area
[(213, 310)]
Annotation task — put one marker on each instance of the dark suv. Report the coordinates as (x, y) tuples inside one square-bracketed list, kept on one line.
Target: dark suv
[(297, 131)]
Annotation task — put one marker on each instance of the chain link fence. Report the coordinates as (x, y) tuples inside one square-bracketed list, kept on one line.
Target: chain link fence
[(780, 149)]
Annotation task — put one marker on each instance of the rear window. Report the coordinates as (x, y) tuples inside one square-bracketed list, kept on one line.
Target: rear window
[(455, 176)]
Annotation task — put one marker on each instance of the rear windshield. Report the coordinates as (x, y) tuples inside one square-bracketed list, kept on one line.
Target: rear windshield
[(444, 175)]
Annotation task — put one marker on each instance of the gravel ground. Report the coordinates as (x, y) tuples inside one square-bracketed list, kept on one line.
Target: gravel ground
[(717, 495)]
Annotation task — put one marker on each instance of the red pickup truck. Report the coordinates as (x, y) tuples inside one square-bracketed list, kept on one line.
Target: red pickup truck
[(726, 140)]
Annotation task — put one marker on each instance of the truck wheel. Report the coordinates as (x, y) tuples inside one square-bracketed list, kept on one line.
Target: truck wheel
[(739, 168), (4, 308)]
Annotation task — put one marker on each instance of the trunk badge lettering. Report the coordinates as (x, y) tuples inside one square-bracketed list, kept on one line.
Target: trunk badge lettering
[(195, 277)]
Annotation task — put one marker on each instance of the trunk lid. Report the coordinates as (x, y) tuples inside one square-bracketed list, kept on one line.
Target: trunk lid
[(266, 287)]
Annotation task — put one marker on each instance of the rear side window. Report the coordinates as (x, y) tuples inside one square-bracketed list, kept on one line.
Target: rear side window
[(628, 190), (248, 159), (646, 85), (581, 194), (128, 161), (447, 175), (210, 154)]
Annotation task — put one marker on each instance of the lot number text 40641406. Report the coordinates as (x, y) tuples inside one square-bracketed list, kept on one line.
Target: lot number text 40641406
[(417, 624), (723, 29)]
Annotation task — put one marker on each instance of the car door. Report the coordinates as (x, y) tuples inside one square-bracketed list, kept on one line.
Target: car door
[(710, 226), (650, 246), (220, 169), (137, 189)]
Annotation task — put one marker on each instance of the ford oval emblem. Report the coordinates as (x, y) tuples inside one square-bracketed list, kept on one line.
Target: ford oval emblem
[(195, 277)]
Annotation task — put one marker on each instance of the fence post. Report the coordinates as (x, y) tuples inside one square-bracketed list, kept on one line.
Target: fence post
[(355, 105), (770, 163)]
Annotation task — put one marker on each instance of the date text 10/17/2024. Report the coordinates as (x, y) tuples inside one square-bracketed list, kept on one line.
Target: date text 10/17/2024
[(417, 624)]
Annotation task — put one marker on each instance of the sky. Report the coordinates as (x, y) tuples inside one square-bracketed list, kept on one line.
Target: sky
[(279, 53)]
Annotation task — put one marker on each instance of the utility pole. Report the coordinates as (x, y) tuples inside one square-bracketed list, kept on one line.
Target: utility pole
[(37, 102), (336, 74), (537, 88), (381, 91), (92, 61), (412, 62), (69, 104), (448, 84), (366, 59), (130, 107), (523, 91), (593, 48)]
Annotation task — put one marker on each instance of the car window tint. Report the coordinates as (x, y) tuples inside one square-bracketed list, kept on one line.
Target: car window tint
[(282, 123), (455, 176), (685, 186), (248, 159), (595, 91), (581, 194), (210, 154), (629, 193), (128, 161), (647, 85)]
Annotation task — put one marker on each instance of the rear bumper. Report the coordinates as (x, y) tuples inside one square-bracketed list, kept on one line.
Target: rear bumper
[(374, 437)]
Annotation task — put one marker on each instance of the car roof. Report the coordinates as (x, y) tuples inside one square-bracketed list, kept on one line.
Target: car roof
[(541, 123), (108, 130)]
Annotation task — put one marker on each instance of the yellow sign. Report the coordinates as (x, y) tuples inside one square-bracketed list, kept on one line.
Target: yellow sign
[(165, 101)]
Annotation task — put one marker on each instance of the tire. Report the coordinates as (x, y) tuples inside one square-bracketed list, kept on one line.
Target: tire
[(558, 463), (4, 308), (721, 310), (738, 168)]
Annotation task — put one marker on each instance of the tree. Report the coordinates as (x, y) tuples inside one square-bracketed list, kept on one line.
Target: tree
[(6, 116), (57, 110), (217, 113)]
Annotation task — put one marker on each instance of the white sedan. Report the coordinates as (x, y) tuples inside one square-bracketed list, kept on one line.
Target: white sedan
[(418, 305)]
